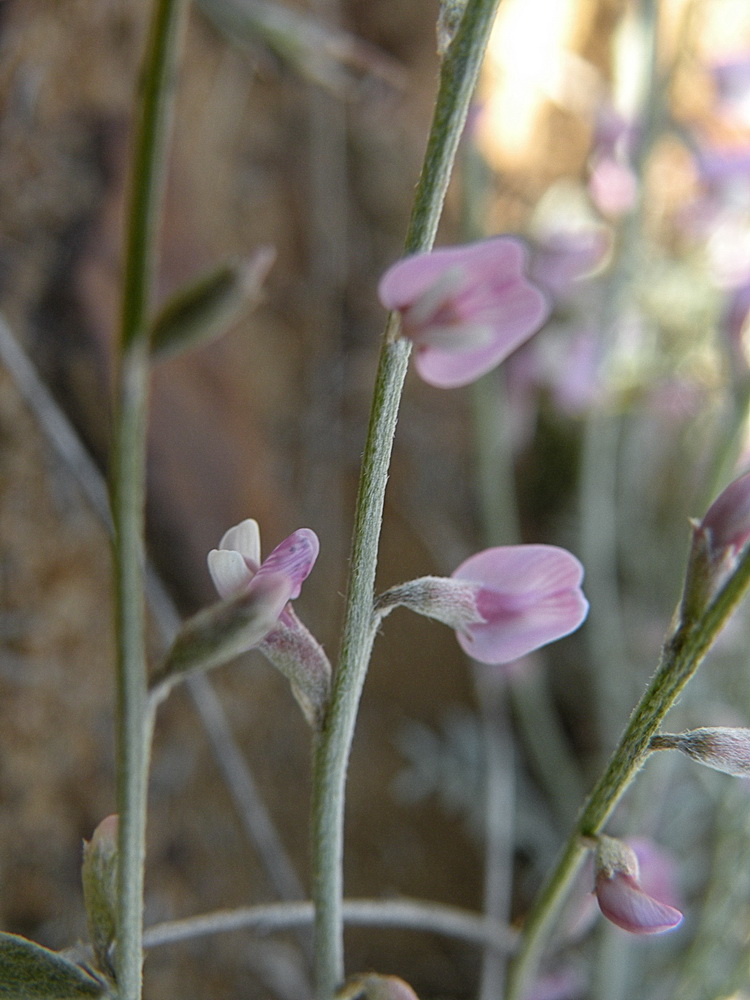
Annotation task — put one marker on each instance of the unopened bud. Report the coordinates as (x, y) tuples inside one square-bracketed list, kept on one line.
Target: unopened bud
[(727, 520), (717, 541), (721, 748), (621, 897), (99, 878)]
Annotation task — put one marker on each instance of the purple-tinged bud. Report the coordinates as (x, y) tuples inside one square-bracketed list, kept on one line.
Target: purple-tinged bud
[(722, 748), (621, 897), (99, 878), (717, 541), (727, 521)]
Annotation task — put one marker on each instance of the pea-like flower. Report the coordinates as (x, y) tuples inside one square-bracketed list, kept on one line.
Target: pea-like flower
[(621, 895), (236, 568), (236, 564), (503, 602), (465, 308)]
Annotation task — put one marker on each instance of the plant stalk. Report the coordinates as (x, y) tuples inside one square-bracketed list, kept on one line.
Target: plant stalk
[(458, 78), (128, 487)]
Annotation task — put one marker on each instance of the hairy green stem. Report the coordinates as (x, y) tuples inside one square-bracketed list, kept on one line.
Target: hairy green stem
[(681, 656), (134, 720), (459, 74)]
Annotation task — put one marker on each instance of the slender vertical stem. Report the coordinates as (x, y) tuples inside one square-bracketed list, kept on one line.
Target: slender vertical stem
[(682, 654), (458, 78), (134, 721)]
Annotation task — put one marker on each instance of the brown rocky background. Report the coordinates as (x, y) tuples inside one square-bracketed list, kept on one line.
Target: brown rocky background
[(268, 422)]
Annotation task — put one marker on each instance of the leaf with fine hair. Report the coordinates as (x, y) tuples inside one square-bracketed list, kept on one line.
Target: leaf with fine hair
[(30, 972)]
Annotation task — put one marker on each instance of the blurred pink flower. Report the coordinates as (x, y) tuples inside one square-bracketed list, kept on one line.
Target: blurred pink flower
[(622, 893), (561, 258), (465, 308), (613, 185), (567, 983), (732, 79)]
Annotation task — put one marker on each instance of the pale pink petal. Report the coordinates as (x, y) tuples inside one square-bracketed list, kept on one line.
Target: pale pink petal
[(565, 984), (520, 311), (294, 558), (522, 568), (626, 904), (529, 596), (245, 539), (408, 279), (272, 592), (229, 571), (521, 630), (613, 187), (375, 987)]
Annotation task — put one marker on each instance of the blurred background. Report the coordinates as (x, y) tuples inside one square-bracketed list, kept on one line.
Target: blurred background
[(614, 136)]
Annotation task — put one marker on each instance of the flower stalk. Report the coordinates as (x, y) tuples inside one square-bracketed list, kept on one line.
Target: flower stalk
[(459, 73), (682, 654)]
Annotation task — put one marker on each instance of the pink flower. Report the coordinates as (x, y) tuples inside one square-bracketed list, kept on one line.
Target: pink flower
[(465, 308), (236, 564), (236, 567), (502, 602), (622, 897), (527, 596)]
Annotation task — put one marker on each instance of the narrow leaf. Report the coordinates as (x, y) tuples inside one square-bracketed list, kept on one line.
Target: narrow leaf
[(30, 972), (204, 310)]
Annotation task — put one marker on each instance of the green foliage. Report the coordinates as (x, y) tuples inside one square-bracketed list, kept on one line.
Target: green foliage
[(30, 972)]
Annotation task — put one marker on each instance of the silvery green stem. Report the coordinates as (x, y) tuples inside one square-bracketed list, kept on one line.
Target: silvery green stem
[(128, 486), (460, 70), (681, 656)]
